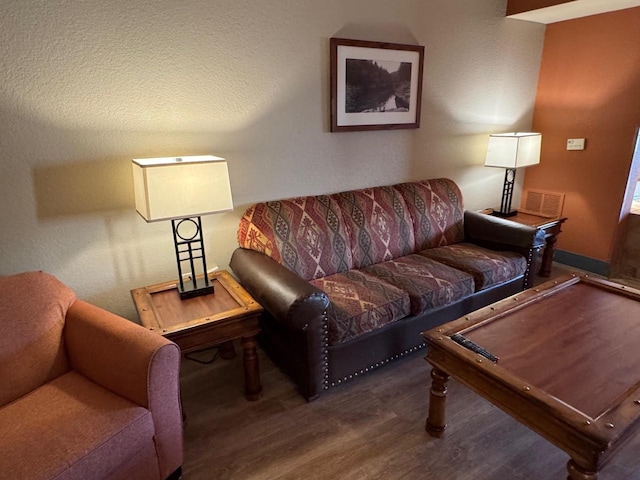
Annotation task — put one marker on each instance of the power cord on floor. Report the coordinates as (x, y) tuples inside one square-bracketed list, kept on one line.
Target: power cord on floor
[(204, 362)]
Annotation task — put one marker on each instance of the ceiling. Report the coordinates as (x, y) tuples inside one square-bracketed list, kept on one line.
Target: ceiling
[(574, 9)]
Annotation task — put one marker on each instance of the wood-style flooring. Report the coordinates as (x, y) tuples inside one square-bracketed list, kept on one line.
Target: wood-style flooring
[(370, 428)]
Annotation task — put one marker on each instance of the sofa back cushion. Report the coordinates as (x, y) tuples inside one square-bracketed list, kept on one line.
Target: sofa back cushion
[(436, 210), (33, 306), (306, 234), (378, 223)]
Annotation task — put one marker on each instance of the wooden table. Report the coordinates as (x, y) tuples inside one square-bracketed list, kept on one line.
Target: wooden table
[(552, 228), (568, 367), (196, 323)]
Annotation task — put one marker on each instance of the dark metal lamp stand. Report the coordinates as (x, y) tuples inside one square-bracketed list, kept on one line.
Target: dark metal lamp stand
[(189, 248), (507, 194)]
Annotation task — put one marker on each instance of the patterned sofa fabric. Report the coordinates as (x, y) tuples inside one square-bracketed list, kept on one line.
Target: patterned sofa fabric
[(436, 210), (360, 303), (378, 224), (367, 299), (430, 284), (326, 238), (349, 280), (487, 267), (306, 234)]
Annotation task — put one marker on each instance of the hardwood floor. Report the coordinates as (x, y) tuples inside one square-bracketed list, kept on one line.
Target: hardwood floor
[(370, 428)]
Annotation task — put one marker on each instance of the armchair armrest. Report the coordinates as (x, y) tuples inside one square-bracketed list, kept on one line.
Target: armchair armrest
[(285, 295), (484, 228), (133, 362)]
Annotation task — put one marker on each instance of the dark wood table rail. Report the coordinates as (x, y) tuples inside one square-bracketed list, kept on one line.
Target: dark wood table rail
[(568, 365)]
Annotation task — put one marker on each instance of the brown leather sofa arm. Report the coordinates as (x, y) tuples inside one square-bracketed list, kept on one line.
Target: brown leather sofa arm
[(481, 228), (285, 295)]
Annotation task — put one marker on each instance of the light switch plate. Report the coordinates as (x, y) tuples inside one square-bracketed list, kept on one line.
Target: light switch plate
[(575, 144)]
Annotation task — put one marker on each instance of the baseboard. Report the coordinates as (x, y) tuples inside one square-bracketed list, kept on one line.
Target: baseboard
[(583, 263)]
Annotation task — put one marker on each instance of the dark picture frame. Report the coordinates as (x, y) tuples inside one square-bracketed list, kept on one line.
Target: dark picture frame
[(375, 85)]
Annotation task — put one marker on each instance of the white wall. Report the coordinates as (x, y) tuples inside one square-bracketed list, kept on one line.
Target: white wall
[(87, 85)]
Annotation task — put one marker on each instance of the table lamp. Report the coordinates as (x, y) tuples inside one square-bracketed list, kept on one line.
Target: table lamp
[(182, 189), (511, 151)]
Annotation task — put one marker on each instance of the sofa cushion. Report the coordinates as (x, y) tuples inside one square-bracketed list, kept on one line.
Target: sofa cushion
[(78, 429), (360, 303), (430, 284), (378, 224), (488, 267), (436, 210), (31, 347), (306, 234)]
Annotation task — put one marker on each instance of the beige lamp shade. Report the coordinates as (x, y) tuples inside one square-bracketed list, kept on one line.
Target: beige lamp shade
[(181, 187), (513, 150)]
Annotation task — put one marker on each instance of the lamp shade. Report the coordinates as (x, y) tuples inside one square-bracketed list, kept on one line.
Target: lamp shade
[(513, 150), (181, 187)]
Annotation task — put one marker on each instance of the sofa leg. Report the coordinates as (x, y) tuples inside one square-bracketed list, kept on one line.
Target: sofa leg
[(176, 475)]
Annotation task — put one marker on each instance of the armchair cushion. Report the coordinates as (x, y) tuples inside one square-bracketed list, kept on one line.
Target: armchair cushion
[(89, 395), (88, 431)]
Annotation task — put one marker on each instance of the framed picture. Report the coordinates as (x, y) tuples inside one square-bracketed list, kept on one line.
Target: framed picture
[(375, 85)]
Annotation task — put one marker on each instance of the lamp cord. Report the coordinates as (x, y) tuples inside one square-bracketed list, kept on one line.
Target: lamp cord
[(190, 356)]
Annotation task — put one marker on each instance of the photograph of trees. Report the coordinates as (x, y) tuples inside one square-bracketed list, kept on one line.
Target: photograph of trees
[(374, 85), (377, 86)]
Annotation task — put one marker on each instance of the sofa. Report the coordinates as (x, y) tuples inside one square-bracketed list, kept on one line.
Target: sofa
[(349, 280), (85, 394)]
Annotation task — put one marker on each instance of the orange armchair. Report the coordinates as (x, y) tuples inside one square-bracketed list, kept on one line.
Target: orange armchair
[(85, 393)]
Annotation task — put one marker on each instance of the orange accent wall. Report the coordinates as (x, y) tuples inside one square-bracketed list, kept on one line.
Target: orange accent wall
[(589, 87), (519, 6)]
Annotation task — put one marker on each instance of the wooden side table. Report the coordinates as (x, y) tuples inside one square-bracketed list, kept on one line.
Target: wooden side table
[(228, 314), (552, 228)]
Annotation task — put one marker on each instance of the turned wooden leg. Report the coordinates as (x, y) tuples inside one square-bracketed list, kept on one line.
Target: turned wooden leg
[(227, 350), (436, 421), (576, 472), (253, 388), (547, 256)]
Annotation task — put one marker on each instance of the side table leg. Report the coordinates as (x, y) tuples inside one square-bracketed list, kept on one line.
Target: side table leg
[(547, 256), (436, 421), (253, 387), (578, 473)]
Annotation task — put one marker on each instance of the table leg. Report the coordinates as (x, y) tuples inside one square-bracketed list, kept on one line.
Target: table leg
[(547, 256), (436, 421), (253, 388), (578, 473)]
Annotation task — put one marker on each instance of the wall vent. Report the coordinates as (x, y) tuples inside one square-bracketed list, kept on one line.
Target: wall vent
[(542, 203)]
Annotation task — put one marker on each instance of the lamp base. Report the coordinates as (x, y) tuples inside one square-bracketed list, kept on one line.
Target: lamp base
[(510, 213), (188, 290), (187, 240)]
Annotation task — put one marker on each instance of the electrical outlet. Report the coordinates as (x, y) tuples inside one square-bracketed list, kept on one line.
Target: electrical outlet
[(575, 144)]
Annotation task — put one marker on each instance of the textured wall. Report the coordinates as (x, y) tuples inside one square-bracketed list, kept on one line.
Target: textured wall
[(86, 86), (589, 81)]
